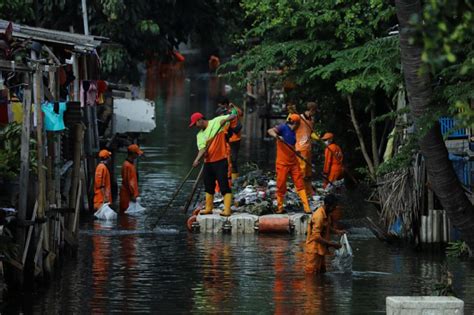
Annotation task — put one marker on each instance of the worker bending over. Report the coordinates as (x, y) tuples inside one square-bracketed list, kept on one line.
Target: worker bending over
[(235, 131), (129, 189), (102, 188), (303, 145), (286, 161), (211, 144), (318, 238), (333, 160)]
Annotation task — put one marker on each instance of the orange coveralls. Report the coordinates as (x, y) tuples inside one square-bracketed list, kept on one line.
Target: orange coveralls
[(101, 186), (333, 163), (303, 146), (129, 188), (318, 226), (286, 163)]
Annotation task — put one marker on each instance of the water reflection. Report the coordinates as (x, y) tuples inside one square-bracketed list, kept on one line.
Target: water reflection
[(124, 268)]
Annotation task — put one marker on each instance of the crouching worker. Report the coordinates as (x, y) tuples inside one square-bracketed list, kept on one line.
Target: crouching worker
[(287, 162), (212, 146), (318, 238), (102, 188), (129, 189)]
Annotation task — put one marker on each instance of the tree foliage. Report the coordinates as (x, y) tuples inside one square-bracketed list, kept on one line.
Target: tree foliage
[(329, 49), (138, 29)]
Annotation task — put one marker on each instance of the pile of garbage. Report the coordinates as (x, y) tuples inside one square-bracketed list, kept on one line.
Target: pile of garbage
[(255, 192)]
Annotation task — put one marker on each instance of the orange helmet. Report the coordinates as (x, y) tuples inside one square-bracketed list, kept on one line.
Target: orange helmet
[(135, 149), (295, 118), (327, 136), (104, 154)]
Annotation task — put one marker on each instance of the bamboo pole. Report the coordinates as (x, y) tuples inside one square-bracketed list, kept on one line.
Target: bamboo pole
[(30, 232), (25, 155), (78, 140), (39, 138)]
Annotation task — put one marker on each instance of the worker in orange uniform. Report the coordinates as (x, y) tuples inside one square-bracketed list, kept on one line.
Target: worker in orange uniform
[(286, 161), (318, 237), (333, 160), (235, 131), (303, 145), (212, 146), (214, 63), (102, 188), (129, 189)]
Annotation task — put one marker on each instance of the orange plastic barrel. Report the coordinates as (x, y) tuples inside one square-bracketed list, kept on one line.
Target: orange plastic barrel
[(269, 224), (189, 223)]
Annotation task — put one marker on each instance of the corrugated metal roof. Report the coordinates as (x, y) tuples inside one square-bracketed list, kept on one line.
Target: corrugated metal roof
[(78, 41)]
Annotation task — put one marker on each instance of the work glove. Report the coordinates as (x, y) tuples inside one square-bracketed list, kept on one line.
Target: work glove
[(315, 136)]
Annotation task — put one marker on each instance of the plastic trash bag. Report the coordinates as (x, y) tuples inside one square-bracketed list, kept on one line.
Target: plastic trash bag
[(105, 213), (343, 257), (134, 208)]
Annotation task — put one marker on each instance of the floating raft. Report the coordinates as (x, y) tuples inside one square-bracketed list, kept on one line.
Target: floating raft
[(244, 223)]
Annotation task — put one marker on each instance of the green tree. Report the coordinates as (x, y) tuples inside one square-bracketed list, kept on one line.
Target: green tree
[(138, 29), (421, 98), (334, 51)]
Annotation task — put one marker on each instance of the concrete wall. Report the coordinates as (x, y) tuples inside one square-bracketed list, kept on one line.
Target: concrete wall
[(424, 305)]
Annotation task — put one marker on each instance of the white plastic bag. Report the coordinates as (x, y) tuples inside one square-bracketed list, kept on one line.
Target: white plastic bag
[(135, 208), (105, 213), (343, 257)]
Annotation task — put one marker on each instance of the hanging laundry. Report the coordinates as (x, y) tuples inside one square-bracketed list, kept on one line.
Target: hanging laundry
[(16, 108), (88, 93), (54, 115), (101, 89), (4, 108)]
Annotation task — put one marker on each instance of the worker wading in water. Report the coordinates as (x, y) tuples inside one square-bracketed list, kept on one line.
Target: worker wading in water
[(318, 237), (286, 161), (333, 160), (235, 131), (304, 135), (129, 189), (102, 188), (211, 144)]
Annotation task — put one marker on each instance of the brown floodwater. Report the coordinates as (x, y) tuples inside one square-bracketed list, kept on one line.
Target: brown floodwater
[(126, 268)]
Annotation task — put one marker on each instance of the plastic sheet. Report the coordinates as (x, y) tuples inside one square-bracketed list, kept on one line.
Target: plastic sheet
[(105, 213), (134, 208), (343, 257)]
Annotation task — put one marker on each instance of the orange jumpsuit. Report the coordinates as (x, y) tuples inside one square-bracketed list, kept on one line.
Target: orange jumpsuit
[(333, 163), (287, 164), (129, 188), (319, 226), (102, 188), (303, 146)]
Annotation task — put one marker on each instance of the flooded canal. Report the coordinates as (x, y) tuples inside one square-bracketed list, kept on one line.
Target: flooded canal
[(124, 268)]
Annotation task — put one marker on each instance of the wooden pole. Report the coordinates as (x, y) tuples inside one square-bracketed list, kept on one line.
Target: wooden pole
[(24, 173), (25, 153), (39, 138)]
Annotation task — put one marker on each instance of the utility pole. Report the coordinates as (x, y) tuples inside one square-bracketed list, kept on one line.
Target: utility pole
[(84, 17)]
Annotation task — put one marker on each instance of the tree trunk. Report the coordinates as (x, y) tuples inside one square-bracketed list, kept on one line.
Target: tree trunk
[(360, 136), (441, 174), (373, 134)]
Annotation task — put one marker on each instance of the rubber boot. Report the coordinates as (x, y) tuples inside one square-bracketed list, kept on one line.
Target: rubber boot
[(235, 176), (209, 204), (227, 204), (280, 208), (304, 200)]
